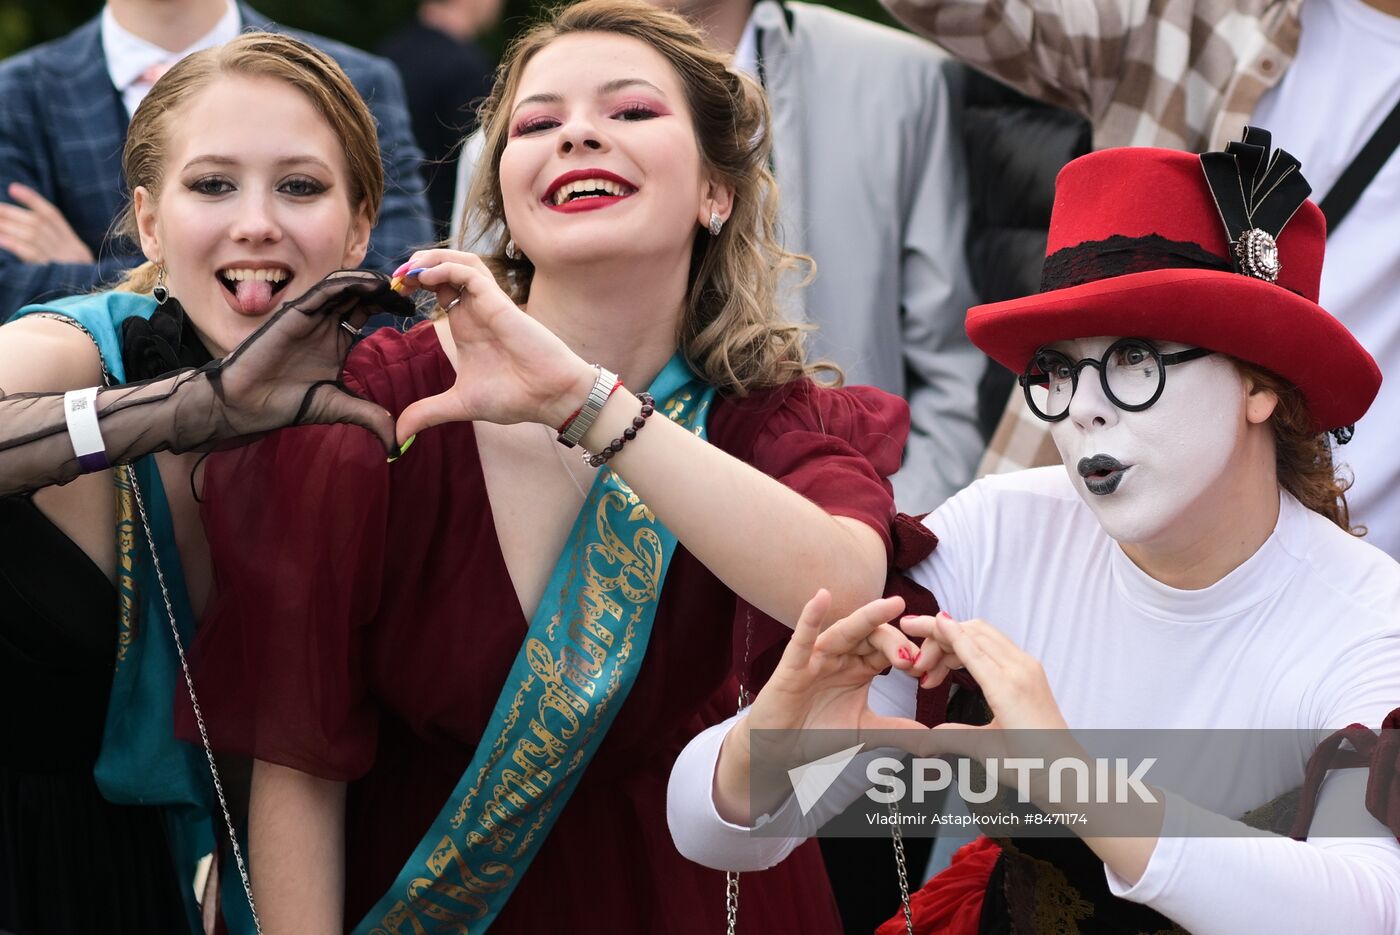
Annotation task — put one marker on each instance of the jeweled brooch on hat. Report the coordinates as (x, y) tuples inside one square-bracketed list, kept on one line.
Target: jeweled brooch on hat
[(1256, 254), (1256, 192)]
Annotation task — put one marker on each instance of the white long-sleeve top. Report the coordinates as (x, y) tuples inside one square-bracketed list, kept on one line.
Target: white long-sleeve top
[(1305, 634)]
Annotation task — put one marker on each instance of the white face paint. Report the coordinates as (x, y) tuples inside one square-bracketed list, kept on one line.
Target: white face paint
[(1174, 455)]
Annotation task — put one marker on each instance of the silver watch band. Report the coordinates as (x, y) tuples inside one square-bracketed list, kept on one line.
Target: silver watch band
[(602, 388)]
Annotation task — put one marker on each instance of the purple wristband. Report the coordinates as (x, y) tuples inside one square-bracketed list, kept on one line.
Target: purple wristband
[(97, 461)]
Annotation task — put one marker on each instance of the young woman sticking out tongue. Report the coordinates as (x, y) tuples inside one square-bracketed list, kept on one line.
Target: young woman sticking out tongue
[(103, 813)]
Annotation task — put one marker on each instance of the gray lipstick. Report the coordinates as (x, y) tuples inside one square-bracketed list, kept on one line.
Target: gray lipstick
[(1102, 474)]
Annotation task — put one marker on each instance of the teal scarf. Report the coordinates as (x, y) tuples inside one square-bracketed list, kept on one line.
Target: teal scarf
[(141, 761), (581, 656)]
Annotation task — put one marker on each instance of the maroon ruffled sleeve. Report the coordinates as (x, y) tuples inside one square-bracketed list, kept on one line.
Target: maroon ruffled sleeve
[(296, 527), (836, 447)]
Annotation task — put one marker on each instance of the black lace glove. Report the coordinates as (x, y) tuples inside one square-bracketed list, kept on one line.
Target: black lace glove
[(285, 373)]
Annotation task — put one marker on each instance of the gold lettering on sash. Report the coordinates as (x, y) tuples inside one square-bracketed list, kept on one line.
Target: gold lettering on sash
[(522, 782), (127, 611), (576, 676), (549, 751), (447, 857), (399, 920), (559, 697), (595, 605), (584, 667), (570, 692), (495, 818), (456, 893)]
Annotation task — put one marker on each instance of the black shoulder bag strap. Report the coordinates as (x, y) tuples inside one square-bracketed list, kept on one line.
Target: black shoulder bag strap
[(1353, 181)]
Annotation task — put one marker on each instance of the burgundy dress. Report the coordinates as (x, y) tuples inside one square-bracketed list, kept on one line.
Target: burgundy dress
[(364, 624)]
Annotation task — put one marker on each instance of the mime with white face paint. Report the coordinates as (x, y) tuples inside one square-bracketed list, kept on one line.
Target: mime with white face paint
[(1190, 566)]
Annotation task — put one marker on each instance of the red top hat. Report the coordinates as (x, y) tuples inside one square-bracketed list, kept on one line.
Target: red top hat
[(1221, 251)]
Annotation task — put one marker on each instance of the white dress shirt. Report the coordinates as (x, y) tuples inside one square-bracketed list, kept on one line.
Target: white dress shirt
[(131, 59)]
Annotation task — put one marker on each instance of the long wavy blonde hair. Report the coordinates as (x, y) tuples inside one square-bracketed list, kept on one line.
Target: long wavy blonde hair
[(732, 332), (251, 55)]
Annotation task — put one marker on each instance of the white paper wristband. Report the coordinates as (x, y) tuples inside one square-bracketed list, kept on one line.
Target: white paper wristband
[(80, 410)]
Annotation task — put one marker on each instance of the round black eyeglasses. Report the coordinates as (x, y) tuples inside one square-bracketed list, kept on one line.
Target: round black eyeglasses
[(1132, 372)]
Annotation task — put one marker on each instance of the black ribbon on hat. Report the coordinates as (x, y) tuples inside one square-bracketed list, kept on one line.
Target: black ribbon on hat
[(1257, 190)]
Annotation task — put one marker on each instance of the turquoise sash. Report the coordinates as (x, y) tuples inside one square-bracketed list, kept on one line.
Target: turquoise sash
[(580, 658), (141, 761)]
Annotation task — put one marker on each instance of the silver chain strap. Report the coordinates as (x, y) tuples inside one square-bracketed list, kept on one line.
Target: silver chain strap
[(731, 901), (900, 867), (175, 632), (194, 700), (731, 878)]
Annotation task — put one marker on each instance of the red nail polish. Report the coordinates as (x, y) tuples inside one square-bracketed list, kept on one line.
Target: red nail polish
[(904, 654), (917, 656), (944, 615)]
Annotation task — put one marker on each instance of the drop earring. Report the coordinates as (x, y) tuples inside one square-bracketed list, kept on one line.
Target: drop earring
[(716, 223), (512, 252), (159, 292)]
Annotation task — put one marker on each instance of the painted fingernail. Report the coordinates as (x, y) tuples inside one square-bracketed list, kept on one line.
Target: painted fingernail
[(904, 654), (398, 273), (402, 448), (917, 656), (417, 270)]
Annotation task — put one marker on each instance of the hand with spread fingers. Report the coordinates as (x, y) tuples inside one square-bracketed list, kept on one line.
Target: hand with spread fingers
[(823, 679), (822, 682), (510, 368)]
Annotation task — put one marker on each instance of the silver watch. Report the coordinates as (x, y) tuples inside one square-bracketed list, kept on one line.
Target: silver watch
[(603, 386)]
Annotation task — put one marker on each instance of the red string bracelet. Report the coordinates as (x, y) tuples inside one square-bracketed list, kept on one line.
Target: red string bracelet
[(570, 420)]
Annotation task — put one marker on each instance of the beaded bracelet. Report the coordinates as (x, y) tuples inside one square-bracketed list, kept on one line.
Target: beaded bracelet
[(629, 433)]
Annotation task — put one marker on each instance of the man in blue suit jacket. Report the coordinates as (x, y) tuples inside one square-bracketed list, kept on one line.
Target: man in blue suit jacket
[(63, 124)]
